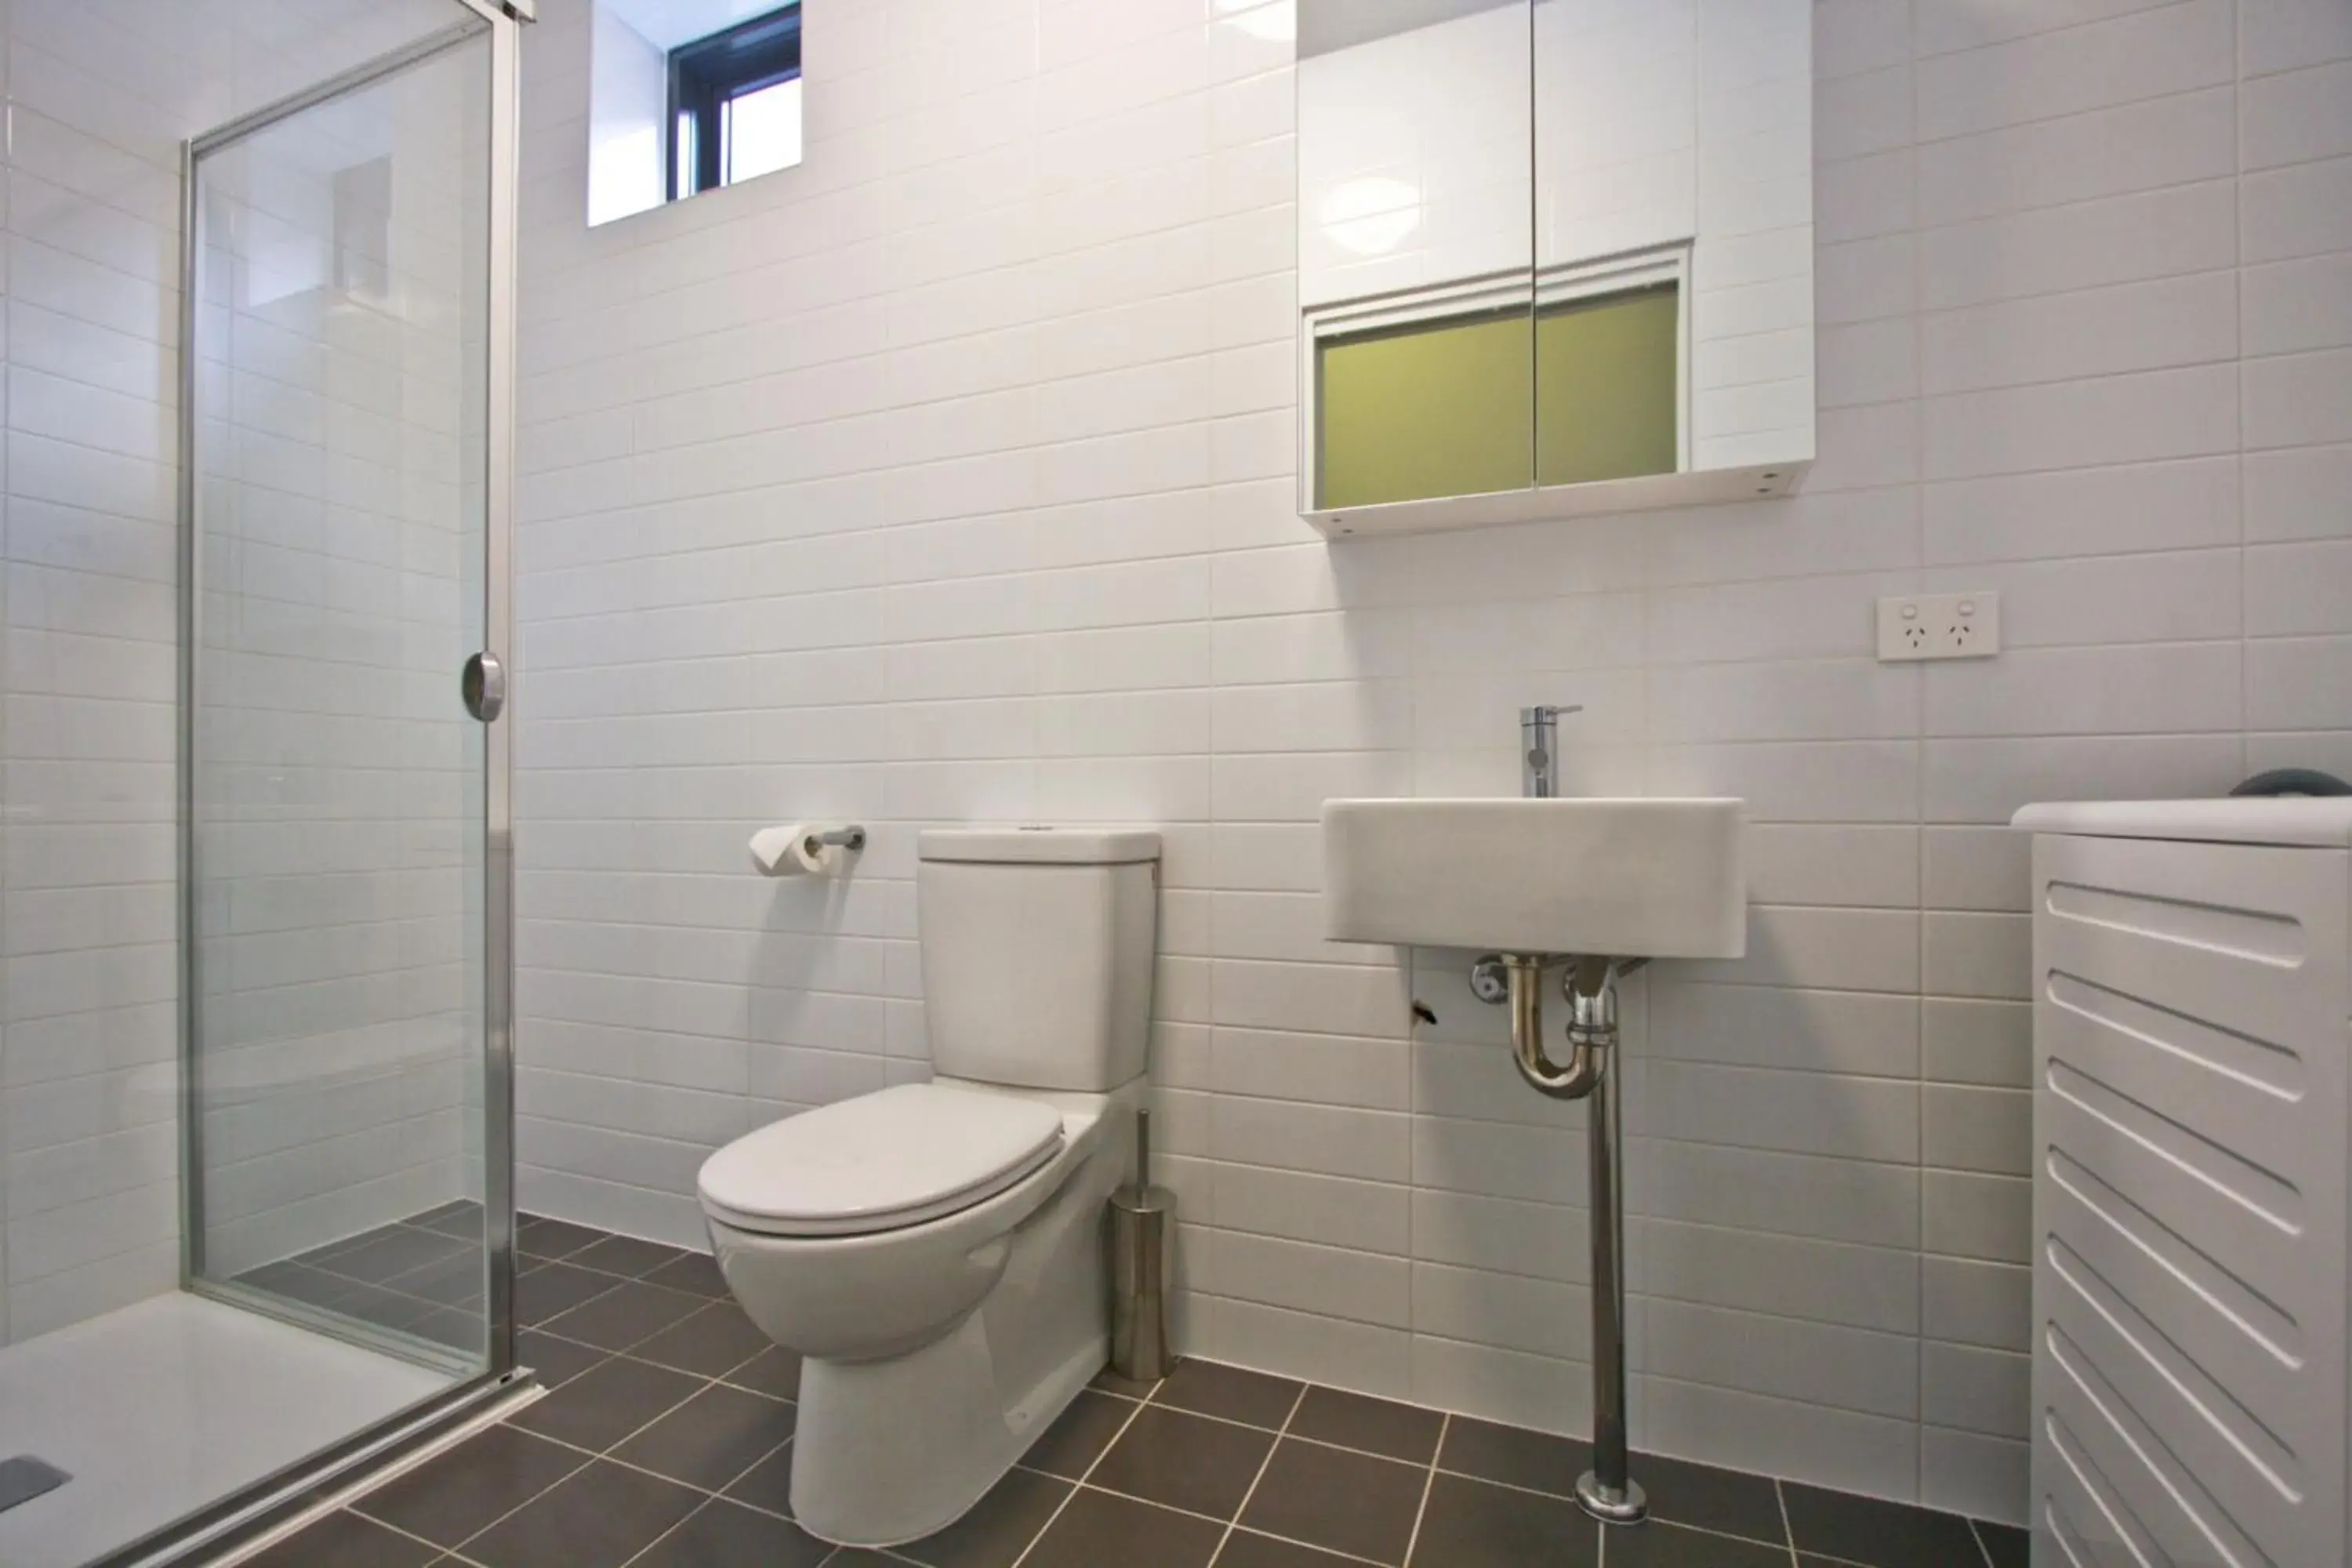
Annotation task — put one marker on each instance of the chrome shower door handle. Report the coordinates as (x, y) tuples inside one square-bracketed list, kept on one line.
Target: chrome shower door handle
[(484, 686)]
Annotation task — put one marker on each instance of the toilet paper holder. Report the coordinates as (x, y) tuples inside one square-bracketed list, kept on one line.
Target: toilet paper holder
[(805, 848)]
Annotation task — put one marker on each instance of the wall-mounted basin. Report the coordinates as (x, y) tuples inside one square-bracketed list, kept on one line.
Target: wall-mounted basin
[(1621, 877)]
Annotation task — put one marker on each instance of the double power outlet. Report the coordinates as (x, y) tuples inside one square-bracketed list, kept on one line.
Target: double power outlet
[(1939, 625)]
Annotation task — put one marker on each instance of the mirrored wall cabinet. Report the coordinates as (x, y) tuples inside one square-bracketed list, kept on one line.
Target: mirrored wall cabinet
[(1554, 256)]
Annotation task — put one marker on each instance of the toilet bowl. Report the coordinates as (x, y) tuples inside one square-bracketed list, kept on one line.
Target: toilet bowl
[(934, 1251)]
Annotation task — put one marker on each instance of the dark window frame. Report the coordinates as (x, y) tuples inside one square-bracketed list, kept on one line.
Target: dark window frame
[(706, 75)]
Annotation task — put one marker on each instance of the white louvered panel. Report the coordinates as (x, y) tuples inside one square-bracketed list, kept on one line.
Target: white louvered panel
[(2190, 1031)]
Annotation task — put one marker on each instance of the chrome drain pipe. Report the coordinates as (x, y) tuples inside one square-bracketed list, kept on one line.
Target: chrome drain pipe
[(1607, 1491), (1523, 986)]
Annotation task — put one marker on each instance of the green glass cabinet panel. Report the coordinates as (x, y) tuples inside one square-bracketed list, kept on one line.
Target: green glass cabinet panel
[(1442, 408), (1606, 386)]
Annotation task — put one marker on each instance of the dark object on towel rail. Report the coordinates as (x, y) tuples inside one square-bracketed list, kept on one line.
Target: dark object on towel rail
[(25, 1477), (2294, 781)]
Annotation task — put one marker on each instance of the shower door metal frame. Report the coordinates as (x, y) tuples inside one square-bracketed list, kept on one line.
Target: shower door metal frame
[(502, 19)]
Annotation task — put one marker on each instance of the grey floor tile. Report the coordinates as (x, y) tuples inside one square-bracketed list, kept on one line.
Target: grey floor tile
[(606, 1403), (601, 1518), (300, 1282), (625, 1255), (386, 1308), (2006, 1546), (1078, 1436), (1329, 1496), (712, 1438), (1732, 1502), (462, 1219), (1382, 1426), (459, 1328), (712, 1341), (553, 1238), (1657, 1544), (557, 1361), (721, 1535), (775, 1371), (462, 1492), (628, 1314), (1215, 1389), (768, 1484), (551, 1289), (1185, 1461), (1109, 1382), (1469, 1525), (1878, 1534), (1243, 1550), (1492, 1452), (1097, 1529), (999, 1528), (454, 1279), (695, 1273), (1164, 1476), (319, 1257), (346, 1541), (403, 1251)]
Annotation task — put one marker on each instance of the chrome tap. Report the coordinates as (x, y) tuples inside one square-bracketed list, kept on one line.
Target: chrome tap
[(1539, 750)]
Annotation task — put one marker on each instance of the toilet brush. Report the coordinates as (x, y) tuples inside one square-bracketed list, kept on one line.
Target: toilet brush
[(1142, 1241)]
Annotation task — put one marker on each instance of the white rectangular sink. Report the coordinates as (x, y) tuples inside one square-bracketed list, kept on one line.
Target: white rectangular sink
[(1617, 878)]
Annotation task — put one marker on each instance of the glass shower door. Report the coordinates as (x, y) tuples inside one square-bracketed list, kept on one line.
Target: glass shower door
[(341, 929)]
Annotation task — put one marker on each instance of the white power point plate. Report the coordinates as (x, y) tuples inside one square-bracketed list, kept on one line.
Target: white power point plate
[(1939, 625)]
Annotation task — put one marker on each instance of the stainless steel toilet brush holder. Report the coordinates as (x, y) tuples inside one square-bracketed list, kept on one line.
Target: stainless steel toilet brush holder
[(1143, 1249)]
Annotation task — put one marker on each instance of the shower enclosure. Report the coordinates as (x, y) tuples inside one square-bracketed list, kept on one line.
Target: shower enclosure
[(319, 403)]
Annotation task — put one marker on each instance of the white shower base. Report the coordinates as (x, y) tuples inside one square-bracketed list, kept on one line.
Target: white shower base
[(160, 1408)]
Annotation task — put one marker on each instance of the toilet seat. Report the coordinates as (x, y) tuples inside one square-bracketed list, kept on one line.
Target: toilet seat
[(883, 1161)]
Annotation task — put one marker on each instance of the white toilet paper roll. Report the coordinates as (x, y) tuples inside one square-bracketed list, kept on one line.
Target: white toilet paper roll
[(787, 851)]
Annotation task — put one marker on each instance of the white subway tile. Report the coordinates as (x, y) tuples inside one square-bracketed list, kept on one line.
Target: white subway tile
[(2141, 55), (2298, 116)]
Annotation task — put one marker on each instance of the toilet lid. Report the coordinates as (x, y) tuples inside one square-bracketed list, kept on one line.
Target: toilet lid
[(894, 1158)]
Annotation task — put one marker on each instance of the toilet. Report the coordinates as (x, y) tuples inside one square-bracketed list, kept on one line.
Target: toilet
[(934, 1251)]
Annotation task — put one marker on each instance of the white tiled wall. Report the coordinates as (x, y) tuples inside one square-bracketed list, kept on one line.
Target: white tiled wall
[(949, 477), (99, 95)]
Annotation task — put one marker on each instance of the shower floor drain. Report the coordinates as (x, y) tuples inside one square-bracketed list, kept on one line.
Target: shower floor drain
[(25, 1477)]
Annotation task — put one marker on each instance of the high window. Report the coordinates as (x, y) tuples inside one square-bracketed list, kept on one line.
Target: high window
[(686, 96), (735, 104)]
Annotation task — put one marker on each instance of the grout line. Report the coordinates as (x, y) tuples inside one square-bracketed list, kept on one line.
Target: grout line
[(691, 1514), (1294, 1437), (1233, 1526), (1788, 1530), (586, 1459), (1093, 1464), (1984, 1550), (606, 1456), (718, 1495), (1428, 1485), (1262, 1465)]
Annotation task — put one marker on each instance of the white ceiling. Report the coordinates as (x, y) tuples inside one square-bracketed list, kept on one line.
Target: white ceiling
[(1328, 25), (665, 24)]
